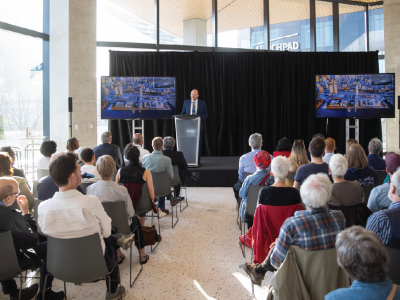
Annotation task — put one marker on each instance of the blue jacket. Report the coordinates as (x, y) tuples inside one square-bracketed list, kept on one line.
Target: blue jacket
[(377, 162), (365, 177), (201, 109)]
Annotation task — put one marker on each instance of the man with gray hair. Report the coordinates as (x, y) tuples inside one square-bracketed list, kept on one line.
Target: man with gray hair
[(312, 229), (106, 148), (178, 159), (138, 142), (374, 160), (386, 223), (246, 161)]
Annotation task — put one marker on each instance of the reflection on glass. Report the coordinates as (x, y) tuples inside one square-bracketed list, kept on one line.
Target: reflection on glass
[(351, 28), (23, 13), (324, 26), (376, 29)]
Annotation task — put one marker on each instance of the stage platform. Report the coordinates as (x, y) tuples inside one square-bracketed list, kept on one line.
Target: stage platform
[(216, 171)]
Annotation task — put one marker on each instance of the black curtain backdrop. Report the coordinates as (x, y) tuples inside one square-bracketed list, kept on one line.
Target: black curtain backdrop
[(247, 92)]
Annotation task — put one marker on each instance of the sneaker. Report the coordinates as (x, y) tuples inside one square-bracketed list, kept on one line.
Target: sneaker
[(250, 269), (165, 210), (27, 293), (161, 214), (180, 198), (120, 291), (125, 241), (195, 175), (51, 295)]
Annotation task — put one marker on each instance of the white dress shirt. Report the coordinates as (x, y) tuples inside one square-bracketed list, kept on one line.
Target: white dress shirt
[(90, 169), (195, 106), (44, 163), (142, 151), (71, 215)]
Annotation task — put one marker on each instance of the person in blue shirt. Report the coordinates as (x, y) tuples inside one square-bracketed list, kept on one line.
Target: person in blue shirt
[(363, 257), (374, 160), (246, 161)]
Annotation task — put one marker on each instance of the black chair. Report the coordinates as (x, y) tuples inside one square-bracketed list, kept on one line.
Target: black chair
[(162, 188), (394, 264), (174, 182), (84, 186), (367, 192), (78, 260), (381, 177), (291, 176), (115, 210)]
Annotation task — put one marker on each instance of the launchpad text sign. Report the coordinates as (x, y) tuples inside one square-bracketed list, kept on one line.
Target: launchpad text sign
[(286, 46)]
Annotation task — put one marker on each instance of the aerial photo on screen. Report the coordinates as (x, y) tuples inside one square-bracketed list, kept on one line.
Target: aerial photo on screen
[(355, 96), (137, 97)]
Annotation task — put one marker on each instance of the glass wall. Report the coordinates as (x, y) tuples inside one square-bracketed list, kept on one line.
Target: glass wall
[(352, 28), (376, 29), (324, 26), (23, 13)]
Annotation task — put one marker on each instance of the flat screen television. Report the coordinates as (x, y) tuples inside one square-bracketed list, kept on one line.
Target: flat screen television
[(355, 96), (137, 97)]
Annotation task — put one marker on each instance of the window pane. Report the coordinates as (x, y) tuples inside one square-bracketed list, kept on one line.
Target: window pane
[(351, 28), (185, 22), (324, 26), (21, 87), (240, 24), (125, 21), (376, 29), (290, 25), (23, 13)]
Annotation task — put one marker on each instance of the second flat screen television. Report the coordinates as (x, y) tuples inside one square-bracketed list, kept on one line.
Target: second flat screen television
[(355, 96), (137, 97)]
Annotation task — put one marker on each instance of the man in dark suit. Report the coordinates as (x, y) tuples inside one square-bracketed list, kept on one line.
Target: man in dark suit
[(109, 149), (195, 106), (178, 159)]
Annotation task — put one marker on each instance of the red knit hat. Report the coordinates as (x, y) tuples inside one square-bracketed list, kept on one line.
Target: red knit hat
[(262, 159)]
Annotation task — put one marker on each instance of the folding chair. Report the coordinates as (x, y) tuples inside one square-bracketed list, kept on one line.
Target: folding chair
[(367, 191), (174, 182), (78, 260), (34, 188), (245, 174), (84, 186), (42, 173), (116, 211), (9, 267), (162, 188), (381, 177), (394, 264), (291, 176)]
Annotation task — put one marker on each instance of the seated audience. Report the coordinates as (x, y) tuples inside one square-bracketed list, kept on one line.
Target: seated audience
[(297, 158), (312, 229), (138, 142), (317, 165), (358, 167), (379, 199), (109, 191), (330, 147), (48, 148), (279, 193), (178, 159), (106, 148), (7, 170), (343, 192), (24, 233), (246, 161), (72, 145), (134, 173), (349, 143), (374, 160), (385, 223), (361, 254), (262, 176), (314, 136), (69, 214), (46, 187), (11, 153), (284, 147), (158, 162), (89, 159)]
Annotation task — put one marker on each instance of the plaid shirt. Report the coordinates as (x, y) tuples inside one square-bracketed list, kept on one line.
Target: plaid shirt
[(314, 229)]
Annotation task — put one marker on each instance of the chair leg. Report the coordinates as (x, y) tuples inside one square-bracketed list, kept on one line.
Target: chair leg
[(242, 247), (180, 202), (44, 287), (176, 212), (65, 290), (130, 268), (20, 286), (159, 231)]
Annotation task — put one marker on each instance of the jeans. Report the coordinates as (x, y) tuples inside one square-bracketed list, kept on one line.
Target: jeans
[(110, 257), (161, 203), (236, 189)]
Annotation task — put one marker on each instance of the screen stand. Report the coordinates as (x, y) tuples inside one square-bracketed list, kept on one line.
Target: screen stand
[(139, 127), (349, 127)]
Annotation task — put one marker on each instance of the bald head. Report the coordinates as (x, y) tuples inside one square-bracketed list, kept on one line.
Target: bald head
[(8, 186), (194, 95), (138, 139)]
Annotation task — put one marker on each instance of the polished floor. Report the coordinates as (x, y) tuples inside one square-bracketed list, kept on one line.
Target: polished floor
[(199, 259)]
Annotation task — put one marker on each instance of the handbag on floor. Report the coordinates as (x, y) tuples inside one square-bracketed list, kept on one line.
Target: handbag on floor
[(150, 235)]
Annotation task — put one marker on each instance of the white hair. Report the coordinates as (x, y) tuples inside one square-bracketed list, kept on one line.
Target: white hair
[(280, 167), (316, 190), (255, 141), (338, 165), (375, 146), (395, 180), (106, 137)]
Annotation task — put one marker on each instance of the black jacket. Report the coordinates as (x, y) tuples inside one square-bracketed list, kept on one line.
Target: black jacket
[(112, 150), (24, 233), (178, 159)]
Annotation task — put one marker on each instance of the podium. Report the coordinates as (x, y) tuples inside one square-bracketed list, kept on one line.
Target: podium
[(188, 137)]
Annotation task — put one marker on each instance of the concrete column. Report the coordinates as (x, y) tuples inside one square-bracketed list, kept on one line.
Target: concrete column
[(195, 32), (392, 65), (73, 71)]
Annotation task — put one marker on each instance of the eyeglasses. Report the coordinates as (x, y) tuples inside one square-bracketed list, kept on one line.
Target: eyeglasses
[(17, 193), (299, 141)]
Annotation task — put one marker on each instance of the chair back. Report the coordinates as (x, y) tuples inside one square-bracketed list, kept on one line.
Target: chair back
[(144, 205), (84, 186), (36, 214), (291, 176), (161, 184), (245, 174), (381, 177), (394, 264), (117, 212), (367, 190), (42, 173), (34, 189), (252, 199), (9, 266), (115, 174), (176, 180), (78, 260), (357, 214)]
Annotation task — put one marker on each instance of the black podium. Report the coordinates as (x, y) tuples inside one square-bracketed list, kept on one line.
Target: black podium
[(188, 137)]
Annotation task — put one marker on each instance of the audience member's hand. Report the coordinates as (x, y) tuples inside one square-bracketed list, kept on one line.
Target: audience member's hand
[(273, 244), (23, 204)]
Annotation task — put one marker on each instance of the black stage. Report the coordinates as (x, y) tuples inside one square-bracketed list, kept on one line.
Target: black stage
[(216, 171)]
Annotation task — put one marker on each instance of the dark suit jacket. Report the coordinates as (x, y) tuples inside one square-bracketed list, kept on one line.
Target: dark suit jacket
[(47, 188), (177, 158), (201, 108), (112, 150)]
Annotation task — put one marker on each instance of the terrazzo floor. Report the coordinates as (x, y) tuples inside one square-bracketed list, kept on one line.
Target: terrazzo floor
[(198, 259)]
